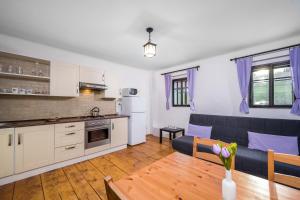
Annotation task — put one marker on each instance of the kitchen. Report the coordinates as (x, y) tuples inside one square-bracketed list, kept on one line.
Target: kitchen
[(55, 114)]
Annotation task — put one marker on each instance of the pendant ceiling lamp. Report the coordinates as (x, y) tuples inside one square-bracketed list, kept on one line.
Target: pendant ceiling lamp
[(149, 47)]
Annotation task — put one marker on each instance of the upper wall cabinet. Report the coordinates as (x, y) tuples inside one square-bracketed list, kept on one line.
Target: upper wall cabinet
[(113, 86), (91, 75), (64, 79)]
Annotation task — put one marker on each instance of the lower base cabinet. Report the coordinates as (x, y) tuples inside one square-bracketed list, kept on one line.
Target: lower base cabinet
[(119, 132), (34, 147), (69, 141), (69, 152), (6, 152), (26, 148)]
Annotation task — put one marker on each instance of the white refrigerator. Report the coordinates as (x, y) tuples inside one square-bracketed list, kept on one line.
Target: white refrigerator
[(135, 108)]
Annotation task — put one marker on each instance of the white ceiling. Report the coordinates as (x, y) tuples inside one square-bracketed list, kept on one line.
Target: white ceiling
[(184, 30)]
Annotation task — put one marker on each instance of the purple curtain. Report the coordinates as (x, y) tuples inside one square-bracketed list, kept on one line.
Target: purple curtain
[(244, 72), (191, 86), (167, 89), (295, 65)]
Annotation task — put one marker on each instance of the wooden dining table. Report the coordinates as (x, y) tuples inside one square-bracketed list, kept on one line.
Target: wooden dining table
[(179, 176)]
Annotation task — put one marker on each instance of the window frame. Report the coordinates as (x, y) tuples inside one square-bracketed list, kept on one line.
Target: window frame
[(270, 67), (173, 95)]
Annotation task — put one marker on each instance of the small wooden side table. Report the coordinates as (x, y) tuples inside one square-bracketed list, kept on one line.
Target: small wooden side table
[(170, 131)]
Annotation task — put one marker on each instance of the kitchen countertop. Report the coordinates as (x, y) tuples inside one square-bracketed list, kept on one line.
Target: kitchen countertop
[(38, 122)]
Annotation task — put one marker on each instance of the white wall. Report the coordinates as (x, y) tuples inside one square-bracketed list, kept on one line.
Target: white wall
[(216, 91), (128, 76)]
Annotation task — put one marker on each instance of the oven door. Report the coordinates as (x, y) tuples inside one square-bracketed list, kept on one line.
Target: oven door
[(97, 136)]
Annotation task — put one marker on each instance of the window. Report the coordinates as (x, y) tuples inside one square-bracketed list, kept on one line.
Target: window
[(271, 86), (180, 97)]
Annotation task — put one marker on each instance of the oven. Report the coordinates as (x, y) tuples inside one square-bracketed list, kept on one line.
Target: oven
[(97, 133)]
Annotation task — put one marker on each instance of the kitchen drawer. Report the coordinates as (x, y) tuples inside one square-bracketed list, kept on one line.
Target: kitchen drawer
[(69, 138), (73, 126), (69, 152)]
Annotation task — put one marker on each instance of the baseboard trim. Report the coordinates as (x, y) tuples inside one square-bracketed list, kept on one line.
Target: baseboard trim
[(41, 170)]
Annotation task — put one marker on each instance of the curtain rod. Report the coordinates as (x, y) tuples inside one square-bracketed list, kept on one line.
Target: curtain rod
[(197, 67), (265, 52)]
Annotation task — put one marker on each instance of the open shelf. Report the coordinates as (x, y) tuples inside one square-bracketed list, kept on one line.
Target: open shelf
[(24, 76)]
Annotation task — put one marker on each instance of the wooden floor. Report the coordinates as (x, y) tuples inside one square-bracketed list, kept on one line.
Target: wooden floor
[(85, 180)]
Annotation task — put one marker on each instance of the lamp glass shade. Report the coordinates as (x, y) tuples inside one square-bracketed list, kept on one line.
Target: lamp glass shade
[(149, 49)]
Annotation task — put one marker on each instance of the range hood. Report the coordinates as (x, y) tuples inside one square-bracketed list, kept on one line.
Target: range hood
[(92, 86)]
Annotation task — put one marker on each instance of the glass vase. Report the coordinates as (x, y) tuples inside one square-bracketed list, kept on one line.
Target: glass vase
[(228, 187)]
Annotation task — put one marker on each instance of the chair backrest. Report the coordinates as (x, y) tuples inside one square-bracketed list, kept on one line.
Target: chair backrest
[(292, 181), (209, 156), (112, 192)]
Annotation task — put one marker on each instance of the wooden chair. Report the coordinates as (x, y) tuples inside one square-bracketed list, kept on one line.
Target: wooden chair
[(292, 181), (209, 156), (112, 192)]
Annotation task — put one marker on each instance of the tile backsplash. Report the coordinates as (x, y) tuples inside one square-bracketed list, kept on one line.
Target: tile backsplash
[(31, 107)]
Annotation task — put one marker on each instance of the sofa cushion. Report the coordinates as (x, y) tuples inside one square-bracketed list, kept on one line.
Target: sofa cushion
[(255, 162), (199, 131), (183, 144), (278, 143), (250, 161)]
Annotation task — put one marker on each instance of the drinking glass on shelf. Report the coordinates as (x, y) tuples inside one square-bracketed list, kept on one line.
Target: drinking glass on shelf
[(41, 72), (10, 69), (20, 70), (35, 69)]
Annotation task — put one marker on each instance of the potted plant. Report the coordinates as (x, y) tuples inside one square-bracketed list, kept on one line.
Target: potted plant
[(226, 154)]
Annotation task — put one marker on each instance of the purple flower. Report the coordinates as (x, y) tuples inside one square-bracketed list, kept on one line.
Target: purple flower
[(225, 152), (216, 149)]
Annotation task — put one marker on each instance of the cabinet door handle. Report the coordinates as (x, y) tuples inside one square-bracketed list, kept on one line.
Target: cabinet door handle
[(77, 89), (69, 148), (70, 133), (19, 138), (10, 140), (71, 126), (113, 126)]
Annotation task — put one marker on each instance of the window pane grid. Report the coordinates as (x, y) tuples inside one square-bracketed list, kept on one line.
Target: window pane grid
[(179, 95), (271, 86)]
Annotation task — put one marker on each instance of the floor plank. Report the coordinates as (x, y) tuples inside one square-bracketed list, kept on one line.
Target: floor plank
[(57, 186), (93, 177), (108, 168), (29, 189), (126, 164), (81, 187), (7, 191), (85, 180)]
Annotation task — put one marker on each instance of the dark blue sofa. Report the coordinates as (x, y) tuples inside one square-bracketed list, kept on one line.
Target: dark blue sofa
[(235, 129)]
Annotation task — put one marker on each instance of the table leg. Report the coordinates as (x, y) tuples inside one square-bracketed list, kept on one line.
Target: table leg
[(183, 132), (174, 135), (170, 135), (160, 136)]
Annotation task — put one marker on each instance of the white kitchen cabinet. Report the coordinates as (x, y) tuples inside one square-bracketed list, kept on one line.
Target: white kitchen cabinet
[(6, 152), (91, 75), (113, 86), (119, 131), (64, 79), (69, 152), (69, 141), (34, 147)]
